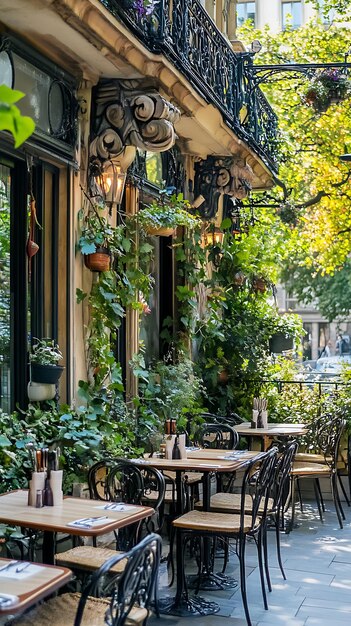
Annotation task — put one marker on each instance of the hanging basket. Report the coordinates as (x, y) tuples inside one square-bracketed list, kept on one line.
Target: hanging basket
[(154, 231), (259, 284), (99, 261), (279, 343), (49, 374)]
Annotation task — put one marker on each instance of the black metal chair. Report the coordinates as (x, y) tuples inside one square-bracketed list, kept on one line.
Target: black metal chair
[(128, 579), (327, 432), (233, 526), (119, 481), (220, 436)]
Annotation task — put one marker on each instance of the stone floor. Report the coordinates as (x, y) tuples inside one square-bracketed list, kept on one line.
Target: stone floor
[(317, 592)]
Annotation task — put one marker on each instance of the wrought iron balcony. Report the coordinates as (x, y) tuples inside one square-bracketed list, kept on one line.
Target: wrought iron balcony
[(184, 32)]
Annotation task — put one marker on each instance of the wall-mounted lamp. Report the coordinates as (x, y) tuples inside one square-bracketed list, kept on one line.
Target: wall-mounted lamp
[(109, 181), (213, 237)]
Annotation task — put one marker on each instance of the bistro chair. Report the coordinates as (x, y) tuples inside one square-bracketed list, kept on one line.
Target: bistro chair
[(327, 430), (220, 436), (122, 482), (279, 493), (201, 524), (130, 593)]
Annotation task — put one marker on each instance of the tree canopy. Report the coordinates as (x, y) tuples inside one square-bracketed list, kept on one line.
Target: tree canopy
[(313, 191)]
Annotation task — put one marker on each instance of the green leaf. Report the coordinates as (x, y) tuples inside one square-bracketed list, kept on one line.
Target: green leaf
[(80, 295), (226, 223)]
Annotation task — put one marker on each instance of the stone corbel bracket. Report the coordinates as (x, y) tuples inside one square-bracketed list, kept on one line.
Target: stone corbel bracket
[(217, 176), (125, 114)]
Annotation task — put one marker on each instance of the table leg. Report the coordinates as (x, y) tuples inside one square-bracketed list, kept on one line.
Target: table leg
[(207, 580), (49, 548)]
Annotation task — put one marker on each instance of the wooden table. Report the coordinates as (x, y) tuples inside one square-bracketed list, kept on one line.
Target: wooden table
[(53, 519), (213, 461), (33, 588), (284, 430)]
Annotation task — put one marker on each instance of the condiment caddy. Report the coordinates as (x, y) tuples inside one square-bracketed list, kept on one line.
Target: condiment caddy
[(259, 413), (45, 485)]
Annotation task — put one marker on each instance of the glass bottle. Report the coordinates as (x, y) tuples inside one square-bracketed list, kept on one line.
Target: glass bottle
[(176, 450), (48, 498)]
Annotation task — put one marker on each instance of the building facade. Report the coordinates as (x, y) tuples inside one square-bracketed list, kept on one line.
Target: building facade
[(150, 92), (278, 13)]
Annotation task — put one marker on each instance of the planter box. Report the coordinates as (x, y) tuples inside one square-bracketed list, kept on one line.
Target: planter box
[(280, 343)]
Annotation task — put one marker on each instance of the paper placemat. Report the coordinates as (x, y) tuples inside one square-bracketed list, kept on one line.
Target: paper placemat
[(90, 522), (20, 570), (115, 506), (7, 600)]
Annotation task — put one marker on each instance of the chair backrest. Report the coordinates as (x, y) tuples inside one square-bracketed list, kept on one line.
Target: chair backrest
[(154, 489), (220, 436), (125, 482), (328, 435), (257, 484), (133, 589), (97, 479), (282, 474)]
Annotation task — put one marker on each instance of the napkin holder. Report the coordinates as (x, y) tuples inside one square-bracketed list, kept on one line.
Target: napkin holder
[(37, 483), (56, 486), (170, 439), (182, 442), (254, 418)]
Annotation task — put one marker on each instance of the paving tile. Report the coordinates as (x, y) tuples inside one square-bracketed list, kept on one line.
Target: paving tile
[(329, 615), (338, 605), (323, 592), (318, 621)]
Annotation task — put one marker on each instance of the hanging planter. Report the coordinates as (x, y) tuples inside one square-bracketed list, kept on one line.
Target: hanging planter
[(259, 284), (239, 279), (327, 87), (99, 261), (280, 342), (159, 232), (39, 392), (44, 360), (162, 217)]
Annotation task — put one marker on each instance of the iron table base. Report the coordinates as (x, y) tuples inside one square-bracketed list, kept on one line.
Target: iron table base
[(210, 581), (185, 606)]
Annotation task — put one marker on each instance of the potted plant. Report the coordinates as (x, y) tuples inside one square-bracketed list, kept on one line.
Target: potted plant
[(327, 86), (162, 218), (94, 241), (44, 359)]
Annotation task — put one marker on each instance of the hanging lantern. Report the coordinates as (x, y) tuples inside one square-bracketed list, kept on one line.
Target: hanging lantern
[(236, 228), (212, 237)]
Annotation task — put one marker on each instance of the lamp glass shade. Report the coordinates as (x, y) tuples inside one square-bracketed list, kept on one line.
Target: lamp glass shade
[(112, 182)]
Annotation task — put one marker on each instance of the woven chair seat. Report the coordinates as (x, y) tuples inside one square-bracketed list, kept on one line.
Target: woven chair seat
[(305, 457), (191, 477), (313, 469), (231, 502), (61, 611), (88, 558), (213, 522)]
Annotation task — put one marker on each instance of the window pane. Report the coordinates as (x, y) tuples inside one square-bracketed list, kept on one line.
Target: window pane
[(245, 11), (5, 312), (291, 14)]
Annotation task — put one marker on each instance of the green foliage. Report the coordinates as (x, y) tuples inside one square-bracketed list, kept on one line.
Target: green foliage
[(45, 352), (99, 424), (167, 390), (313, 190), (168, 212), (21, 127)]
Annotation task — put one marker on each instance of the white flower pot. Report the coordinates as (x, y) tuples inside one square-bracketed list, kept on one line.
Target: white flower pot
[(38, 392)]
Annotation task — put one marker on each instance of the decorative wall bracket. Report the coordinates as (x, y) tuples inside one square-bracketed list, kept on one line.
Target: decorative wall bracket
[(126, 114), (217, 176)]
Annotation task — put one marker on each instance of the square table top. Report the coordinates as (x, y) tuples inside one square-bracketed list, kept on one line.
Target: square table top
[(283, 429), (15, 510), (33, 588), (214, 461)]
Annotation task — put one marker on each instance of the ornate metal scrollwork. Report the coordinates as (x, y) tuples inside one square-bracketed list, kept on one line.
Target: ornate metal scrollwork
[(216, 176), (126, 114)]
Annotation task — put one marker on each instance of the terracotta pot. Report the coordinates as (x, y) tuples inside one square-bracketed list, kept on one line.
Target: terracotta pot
[(239, 279), (223, 376), (99, 261), (159, 232), (259, 284)]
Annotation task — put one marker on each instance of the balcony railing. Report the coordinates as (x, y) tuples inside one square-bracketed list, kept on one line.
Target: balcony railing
[(184, 32)]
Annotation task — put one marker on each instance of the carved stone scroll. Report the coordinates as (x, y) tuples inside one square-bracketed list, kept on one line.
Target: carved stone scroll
[(126, 114), (215, 176)]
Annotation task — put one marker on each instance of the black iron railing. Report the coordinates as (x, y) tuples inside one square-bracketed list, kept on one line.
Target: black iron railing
[(183, 31)]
